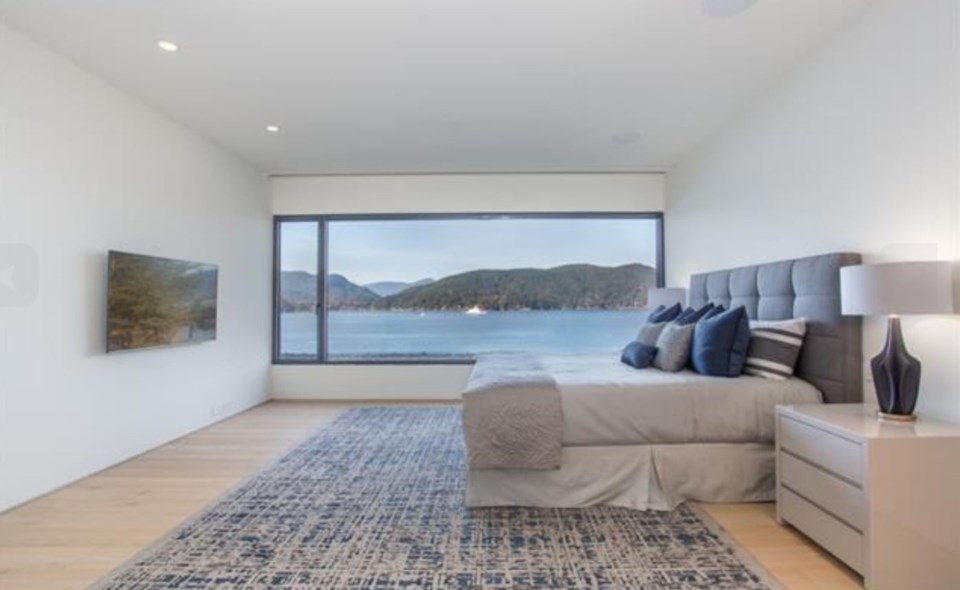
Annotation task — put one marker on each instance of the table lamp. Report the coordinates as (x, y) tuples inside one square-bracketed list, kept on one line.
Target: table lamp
[(894, 289)]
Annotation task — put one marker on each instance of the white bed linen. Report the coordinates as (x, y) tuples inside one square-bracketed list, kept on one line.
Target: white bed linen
[(606, 402)]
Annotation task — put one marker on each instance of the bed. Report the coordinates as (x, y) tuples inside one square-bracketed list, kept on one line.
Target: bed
[(646, 439)]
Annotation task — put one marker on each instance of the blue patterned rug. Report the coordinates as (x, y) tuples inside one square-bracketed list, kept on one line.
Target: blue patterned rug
[(375, 500)]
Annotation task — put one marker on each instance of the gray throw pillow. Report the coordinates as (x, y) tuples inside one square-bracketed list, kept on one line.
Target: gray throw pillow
[(673, 347), (650, 332)]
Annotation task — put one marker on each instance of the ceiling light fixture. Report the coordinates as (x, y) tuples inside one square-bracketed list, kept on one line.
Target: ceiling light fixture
[(273, 129), (725, 8), (169, 46)]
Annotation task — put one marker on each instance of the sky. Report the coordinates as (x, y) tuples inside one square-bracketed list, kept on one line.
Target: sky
[(410, 250)]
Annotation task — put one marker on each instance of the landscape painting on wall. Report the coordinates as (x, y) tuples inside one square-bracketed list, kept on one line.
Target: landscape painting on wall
[(154, 301)]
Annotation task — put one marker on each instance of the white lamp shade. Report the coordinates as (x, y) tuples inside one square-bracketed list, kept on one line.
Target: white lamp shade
[(666, 296), (924, 287)]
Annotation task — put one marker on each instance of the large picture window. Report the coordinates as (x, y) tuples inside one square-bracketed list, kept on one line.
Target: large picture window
[(444, 288)]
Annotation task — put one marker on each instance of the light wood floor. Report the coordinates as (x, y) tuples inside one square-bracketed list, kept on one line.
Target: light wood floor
[(70, 538)]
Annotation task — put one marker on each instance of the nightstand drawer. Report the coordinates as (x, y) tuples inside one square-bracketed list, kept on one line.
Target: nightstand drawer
[(833, 535), (833, 453), (834, 495)]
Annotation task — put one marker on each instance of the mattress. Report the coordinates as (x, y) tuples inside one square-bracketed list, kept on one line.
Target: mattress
[(606, 402)]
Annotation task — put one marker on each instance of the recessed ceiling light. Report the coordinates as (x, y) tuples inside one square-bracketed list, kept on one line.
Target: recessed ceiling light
[(725, 8), (628, 138), (273, 128), (167, 46)]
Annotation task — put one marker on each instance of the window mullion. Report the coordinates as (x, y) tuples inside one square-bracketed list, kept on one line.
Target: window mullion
[(321, 308)]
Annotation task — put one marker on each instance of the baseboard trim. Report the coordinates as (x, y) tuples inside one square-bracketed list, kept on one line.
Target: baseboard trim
[(371, 401)]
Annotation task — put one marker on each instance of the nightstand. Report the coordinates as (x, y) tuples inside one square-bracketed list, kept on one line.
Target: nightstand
[(882, 497)]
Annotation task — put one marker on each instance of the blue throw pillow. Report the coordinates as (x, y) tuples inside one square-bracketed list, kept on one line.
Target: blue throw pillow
[(692, 316), (720, 343), (681, 319), (638, 355), (714, 311), (664, 314)]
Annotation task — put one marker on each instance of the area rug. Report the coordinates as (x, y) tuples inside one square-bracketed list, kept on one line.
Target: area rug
[(375, 500)]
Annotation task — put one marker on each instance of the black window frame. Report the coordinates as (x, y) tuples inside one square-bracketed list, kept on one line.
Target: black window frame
[(323, 221)]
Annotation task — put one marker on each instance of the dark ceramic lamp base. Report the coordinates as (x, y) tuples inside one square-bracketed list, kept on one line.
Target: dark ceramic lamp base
[(896, 376)]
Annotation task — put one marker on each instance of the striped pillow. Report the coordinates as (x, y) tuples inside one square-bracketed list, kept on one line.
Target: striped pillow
[(775, 348)]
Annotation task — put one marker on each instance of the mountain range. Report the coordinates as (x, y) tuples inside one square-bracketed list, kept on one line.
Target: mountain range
[(298, 292), (387, 288), (574, 287)]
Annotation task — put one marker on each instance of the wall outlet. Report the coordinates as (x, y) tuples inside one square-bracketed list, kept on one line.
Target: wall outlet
[(223, 410), (220, 410)]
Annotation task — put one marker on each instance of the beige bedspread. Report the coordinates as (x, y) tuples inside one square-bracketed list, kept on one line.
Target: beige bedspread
[(608, 403)]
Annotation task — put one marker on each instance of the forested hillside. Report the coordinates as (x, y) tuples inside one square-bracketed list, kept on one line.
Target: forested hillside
[(575, 286)]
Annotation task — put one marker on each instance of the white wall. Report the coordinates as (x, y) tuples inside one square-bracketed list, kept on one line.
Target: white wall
[(857, 150), (469, 193), (437, 194), (83, 169)]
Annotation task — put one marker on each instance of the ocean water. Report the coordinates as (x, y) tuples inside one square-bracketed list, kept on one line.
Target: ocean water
[(441, 334)]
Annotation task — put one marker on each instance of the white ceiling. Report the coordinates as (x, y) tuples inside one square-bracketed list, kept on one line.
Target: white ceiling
[(362, 86)]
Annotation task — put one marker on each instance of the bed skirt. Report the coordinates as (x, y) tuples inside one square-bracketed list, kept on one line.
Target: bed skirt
[(643, 477)]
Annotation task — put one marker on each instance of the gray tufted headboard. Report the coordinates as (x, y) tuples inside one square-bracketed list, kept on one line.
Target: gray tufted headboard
[(803, 288)]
